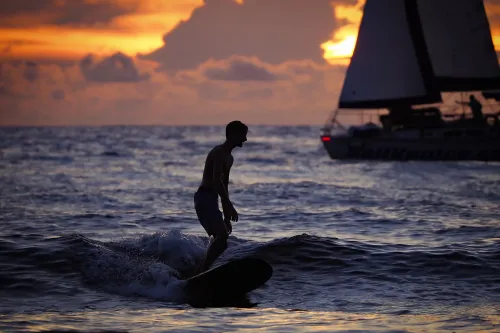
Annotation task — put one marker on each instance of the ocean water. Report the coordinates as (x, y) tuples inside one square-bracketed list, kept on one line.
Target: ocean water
[(98, 230)]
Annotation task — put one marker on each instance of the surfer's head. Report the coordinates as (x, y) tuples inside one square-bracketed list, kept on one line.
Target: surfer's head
[(236, 133)]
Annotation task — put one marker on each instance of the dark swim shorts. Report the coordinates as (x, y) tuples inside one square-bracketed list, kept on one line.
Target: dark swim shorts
[(206, 204)]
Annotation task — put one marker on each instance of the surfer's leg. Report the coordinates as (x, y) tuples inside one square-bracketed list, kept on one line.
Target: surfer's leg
[(212, 220), (217, 246), (207, 209)]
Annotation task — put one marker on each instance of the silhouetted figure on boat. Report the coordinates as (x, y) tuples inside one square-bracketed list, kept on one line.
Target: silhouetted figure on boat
[(477, 109), (214, 184)]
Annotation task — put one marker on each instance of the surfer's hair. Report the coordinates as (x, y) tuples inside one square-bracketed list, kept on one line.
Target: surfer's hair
[(235, 127)]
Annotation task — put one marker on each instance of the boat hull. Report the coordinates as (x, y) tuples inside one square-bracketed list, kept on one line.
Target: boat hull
[(435, 148)]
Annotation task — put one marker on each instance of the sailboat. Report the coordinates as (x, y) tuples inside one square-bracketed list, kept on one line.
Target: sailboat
[(408, 54)]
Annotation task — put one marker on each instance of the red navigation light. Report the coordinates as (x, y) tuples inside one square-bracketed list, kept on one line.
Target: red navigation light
[(325, 138)]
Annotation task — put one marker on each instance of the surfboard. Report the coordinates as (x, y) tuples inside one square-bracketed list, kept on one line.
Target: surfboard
[(229, 281)]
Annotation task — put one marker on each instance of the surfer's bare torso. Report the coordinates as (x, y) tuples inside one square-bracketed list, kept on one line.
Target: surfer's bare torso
[(217, 167)]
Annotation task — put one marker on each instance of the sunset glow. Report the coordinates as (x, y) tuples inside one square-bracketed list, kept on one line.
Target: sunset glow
[(142, 32), (339, 49), (138, 32), (94, 62), (493, 10), (58, 44)]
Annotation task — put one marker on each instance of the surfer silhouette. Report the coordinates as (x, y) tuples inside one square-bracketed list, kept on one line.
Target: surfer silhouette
[(214, 185)]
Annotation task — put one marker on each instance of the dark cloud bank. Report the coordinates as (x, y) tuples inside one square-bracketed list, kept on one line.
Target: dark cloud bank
[(274, 31)]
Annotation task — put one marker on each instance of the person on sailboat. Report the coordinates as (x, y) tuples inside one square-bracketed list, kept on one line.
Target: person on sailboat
[(476, 108)]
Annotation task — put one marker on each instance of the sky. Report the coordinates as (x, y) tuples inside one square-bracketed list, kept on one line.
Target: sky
[(177, 62)]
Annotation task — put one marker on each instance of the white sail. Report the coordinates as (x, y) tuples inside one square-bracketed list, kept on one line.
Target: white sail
[(459, 43), (390, 64)]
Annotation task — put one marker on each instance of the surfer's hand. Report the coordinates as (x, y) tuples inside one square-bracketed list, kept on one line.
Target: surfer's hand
[(230, 213), (229, 226)]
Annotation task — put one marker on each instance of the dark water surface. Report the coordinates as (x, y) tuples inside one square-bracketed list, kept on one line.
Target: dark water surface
[(98, 227)]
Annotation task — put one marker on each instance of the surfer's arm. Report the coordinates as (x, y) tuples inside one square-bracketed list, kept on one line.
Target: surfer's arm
[(230, 213), (218, 180), (226, 176)]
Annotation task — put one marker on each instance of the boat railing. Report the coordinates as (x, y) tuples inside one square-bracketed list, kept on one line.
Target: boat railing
[(332, 125)]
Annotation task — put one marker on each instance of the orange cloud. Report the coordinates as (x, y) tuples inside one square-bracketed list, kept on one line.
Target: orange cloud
[(57, 30), (211, 92), (70, 43), (158, 17), (138, 30)]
